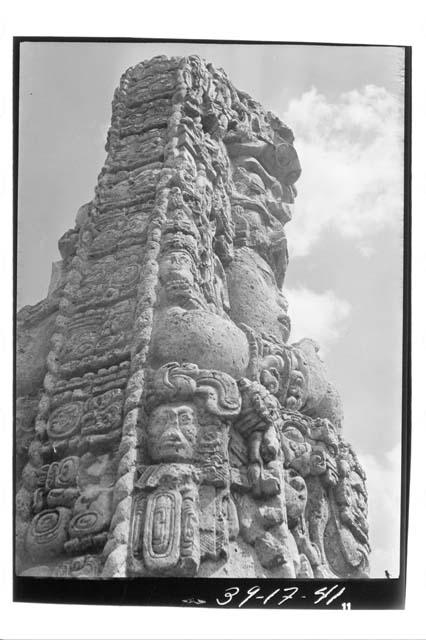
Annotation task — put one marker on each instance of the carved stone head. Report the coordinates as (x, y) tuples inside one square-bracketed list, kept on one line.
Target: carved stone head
[(177, 266), (172, 432), (177, 394)]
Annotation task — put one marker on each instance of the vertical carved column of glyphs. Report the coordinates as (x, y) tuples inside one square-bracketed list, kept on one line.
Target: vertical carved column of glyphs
[(78, 415), (41, 449), (77, 419), (80, 412), (116, 549)]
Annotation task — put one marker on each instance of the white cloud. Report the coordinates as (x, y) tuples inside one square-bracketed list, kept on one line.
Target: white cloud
[(321, 316), (351, 152), (383, 485)]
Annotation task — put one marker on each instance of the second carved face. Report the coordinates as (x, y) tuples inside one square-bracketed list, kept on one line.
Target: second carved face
[(176, 266), (172, 433)]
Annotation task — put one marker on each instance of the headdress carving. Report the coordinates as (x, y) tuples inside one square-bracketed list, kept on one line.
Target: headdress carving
[(174, 382)]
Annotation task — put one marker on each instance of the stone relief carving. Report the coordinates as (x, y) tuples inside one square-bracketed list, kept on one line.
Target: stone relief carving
[(166, 426), (185, 483)]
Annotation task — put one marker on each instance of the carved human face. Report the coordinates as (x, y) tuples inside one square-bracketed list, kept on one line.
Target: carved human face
[(176, 266), (172, 432)]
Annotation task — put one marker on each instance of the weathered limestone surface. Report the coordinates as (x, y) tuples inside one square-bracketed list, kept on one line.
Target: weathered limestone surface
[(165, 424)]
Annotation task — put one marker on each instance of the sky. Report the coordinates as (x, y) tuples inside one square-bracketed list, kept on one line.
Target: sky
[(344, 280)]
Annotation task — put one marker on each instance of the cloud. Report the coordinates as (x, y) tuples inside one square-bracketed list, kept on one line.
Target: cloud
[(383, 485), (351, 152), (321, 316)]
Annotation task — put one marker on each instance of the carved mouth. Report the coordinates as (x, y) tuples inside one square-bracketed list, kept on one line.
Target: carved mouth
[(176, 283), (172, 441)]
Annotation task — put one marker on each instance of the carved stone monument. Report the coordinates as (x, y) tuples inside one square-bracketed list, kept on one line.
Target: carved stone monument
[(165, 425)]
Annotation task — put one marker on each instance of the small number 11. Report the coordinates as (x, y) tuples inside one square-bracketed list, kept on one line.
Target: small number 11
[(346, 606)]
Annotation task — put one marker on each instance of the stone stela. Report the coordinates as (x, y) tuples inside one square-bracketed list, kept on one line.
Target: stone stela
[(165, 424)]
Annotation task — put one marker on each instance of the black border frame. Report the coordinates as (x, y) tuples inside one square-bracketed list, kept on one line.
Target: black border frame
[(361, 594)]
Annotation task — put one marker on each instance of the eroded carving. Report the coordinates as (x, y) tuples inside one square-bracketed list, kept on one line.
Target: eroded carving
[(186, 436), (170, 428)]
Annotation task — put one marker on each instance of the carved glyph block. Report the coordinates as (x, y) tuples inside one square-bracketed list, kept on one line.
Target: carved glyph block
[(161, 542)]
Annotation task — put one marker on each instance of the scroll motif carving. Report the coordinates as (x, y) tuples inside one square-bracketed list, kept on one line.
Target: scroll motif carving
[(65, 421), (47, 533), (90, 519)]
